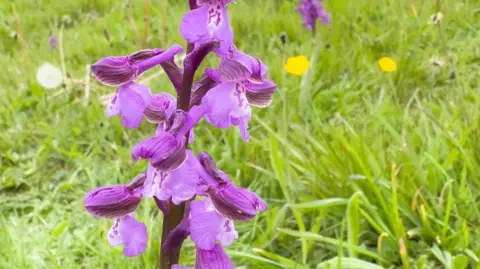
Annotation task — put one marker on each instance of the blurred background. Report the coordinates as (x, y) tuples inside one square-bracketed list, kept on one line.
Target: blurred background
[(361, 168)]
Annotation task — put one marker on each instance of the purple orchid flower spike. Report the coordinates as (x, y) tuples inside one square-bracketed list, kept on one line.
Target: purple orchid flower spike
[(119, 70), (197, 199), (208, 21), (311, 11)]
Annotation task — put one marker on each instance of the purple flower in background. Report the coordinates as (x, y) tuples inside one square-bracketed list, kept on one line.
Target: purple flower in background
[(52, 41), (208, 22), (311, 11)]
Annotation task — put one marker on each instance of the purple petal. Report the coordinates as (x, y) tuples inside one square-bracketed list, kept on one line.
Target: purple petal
[(225, 102), (114, 237), (151, 186), (111, 201), (134, 235), (215, 258), (181, 184), (227, 233), (206, 23), (260, 95), (113, 109), (132, 100), (194, 25), (207, 226), (129, 232)]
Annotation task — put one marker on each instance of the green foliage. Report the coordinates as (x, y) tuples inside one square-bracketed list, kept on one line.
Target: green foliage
[(361, 169)]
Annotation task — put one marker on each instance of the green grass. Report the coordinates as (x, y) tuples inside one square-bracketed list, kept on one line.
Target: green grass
[(358, 166)]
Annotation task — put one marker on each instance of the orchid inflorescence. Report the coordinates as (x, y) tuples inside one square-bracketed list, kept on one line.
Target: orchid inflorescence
[(311, 11), (175, 176)]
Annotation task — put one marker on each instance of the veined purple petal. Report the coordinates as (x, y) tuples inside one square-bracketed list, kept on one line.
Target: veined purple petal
[(151, 186), (238, 66), (235, 203), (160, 107), (164, 150), (208, 22), (114, 70), (131, 233), (180, 184), (227, 105), (207, 226), (129, 103), (260, 95), (111, 201), (215, 258)]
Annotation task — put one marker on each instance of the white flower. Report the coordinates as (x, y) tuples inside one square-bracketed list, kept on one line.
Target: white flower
[(436, 18), (435, 61), (49, 76)]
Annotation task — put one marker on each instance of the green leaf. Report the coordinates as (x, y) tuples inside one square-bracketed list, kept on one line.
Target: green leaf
[(353, 223), (460, 262), (348, 263), (324, 203)]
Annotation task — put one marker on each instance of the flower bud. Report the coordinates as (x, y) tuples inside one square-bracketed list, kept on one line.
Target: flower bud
[(159, 108), (164, 151), (111, 201), (114, 70), (235, 203), (216, 258)]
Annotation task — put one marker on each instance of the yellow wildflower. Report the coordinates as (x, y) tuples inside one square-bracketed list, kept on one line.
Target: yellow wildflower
[(297, 65), (387, 64)]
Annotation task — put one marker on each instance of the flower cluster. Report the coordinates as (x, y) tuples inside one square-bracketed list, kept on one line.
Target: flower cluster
[(175, 175), (311, 11)]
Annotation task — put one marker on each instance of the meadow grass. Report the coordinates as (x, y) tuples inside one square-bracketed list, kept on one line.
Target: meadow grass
[(361, 169)]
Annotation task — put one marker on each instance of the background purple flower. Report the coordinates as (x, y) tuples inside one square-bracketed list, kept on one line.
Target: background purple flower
[(311, 11)]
